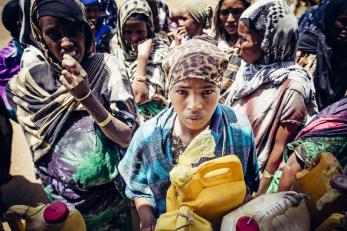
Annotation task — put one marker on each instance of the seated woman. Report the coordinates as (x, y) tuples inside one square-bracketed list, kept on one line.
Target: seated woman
[(102, 33), (225, 21), (137, 46), (271, 90), (195, 72), (194, 17), (78, 114), (322, 49), (327, 132)]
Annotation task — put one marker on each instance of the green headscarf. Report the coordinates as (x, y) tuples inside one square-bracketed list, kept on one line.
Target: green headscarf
[(200, 11)]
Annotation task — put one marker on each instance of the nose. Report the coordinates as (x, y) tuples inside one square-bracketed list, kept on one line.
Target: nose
[(66, 43), (134, 38), (194, 103), (230, 18), (180, 22)]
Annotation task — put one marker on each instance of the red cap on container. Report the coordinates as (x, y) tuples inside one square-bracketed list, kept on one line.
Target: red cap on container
[(57, 212), (246, 223)]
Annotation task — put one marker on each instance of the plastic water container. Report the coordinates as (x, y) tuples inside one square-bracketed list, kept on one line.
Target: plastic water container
[(216, 187), (270, 212)]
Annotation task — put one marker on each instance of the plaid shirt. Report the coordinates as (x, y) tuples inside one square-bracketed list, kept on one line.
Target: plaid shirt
[(148, 161)]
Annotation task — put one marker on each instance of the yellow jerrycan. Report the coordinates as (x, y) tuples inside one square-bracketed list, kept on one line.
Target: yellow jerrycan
[(214, 189), (53, 217)]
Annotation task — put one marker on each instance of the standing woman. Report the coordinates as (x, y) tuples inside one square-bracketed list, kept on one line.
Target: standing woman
[(78, 114), (195, 16), (272, 90), (141, 51), (225, 23), (195, 72)]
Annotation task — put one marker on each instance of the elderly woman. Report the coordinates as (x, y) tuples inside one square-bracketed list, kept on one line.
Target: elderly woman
[(194, 17), (141, 51), (78, 114), (225, 23), (271, 89), (322, 49), (195, 72)]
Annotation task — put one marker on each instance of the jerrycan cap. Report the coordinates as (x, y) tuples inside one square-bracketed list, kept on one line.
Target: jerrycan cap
[(57, 212), (246, 223)]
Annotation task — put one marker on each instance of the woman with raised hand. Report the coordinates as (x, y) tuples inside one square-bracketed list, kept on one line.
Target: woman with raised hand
[(141, 51), (78, 114)]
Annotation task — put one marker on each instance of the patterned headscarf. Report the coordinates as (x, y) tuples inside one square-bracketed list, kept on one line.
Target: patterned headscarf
[(278, 27), (198, 58), (72, 11), (126, 10)]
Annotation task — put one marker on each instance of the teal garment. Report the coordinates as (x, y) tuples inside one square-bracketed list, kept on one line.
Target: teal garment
[(149, 158)]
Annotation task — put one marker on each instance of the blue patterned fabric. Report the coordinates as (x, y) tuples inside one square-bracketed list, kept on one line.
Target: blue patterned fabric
[(148, 161)]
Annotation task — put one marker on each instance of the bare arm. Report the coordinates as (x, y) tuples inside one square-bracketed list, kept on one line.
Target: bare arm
[(74, 78), (145, 210), (284, 132)]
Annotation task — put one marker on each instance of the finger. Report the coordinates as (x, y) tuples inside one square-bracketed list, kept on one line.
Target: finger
[(70, 78), (70, 64), (65, 83)]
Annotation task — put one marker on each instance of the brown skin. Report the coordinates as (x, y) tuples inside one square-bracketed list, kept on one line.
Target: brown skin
[(340, 27), (67, 45), (250, 51), (92, 12), (288, 176), (194, 101), (250, 45), (187, 26), (229, 16), (136, 34)]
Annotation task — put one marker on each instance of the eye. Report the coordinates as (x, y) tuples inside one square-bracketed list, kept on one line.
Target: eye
[(207, 92), (224, 13), (182, 92), (54, 35)]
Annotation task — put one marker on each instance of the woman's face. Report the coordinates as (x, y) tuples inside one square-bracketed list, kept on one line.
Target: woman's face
[(134, 32), (192, 27), (92, 12), (195, 101), (340, 27), (63, 37), (229, 15), (250, 44)]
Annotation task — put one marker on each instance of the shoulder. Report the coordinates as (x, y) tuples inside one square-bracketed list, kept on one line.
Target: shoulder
[(236, 119)]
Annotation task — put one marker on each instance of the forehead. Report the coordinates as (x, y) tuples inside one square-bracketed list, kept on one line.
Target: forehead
[(92, 7), (134, 25), (232, 4), (194, 83), (49, 22), (243, 29)]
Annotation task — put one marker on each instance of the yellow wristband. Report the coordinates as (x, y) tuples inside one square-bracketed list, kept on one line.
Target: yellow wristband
[(141, 78), (84, 97), (106, 121), (266, 174)]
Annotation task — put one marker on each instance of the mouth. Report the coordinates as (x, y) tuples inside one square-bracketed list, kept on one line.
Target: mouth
[(72, 52)]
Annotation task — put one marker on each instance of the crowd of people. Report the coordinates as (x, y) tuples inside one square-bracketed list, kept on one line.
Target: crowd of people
[(109, 97)]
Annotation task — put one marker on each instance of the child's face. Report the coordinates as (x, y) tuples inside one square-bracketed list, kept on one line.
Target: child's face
[(192, 27), (195, 101), (92, 12)]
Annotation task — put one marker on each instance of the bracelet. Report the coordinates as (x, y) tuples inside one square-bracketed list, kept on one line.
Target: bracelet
[(84, 97), (106, 121), (141, 78), (266, 174)]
